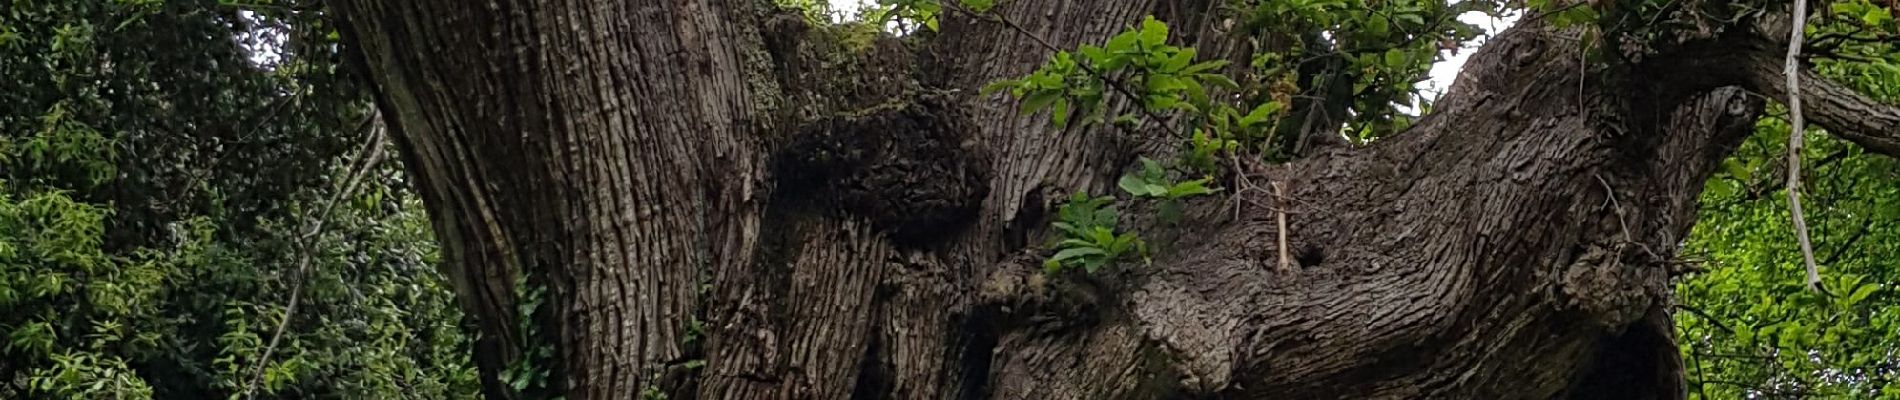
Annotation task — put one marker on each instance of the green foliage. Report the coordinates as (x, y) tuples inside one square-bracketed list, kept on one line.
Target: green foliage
[(1371, 58), (528, 375), (1565, 13), (1750, 328), (82, 320), (1163, 77), (1223, 117), (914, 12), (1755, 329), (1088, 237), (815, 11), (154, 177), (1152, 181), (919, 13)]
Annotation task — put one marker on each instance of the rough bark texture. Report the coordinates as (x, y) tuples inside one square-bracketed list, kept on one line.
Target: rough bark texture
[(848, 219)]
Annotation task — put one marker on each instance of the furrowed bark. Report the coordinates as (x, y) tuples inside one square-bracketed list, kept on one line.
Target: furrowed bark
[(602, 150)]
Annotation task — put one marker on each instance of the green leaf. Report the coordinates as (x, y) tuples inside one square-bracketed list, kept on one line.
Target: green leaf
[(1095, 55), (1106, 217), (1260, 114), (1163, 84), (1123, 43), (1204, 67), (1039, 100), (1377, 26), (1394, 58), (1861, 293), (979, 5), (1151, 170), (1178, 61), (1132, 184), (1155, 190), (1065, 243), (1197, 95), (1190, 188), (1000, 84), (1122, 242), (1153, 33), (1070, 229), (1102, 236), (1060, 115), (1074, 252), (1219, 80)]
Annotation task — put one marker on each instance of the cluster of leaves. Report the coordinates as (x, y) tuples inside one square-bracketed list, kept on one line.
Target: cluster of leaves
[(1088, 236), (528, 376), (908, 15), (1365, 58), (1171, 84), (1153, 182), (155, 175), (1138, 61)]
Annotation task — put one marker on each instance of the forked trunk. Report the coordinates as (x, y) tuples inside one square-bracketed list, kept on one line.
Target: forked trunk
[(855, 221)]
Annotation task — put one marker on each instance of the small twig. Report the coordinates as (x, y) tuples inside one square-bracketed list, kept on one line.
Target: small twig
[(1280, 214), (1628, 238), (1791, 68), (1706, 317), (365, 159), (1851, 240)]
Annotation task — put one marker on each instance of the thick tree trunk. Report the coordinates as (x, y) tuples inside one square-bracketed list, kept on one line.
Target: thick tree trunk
[(854, 221)]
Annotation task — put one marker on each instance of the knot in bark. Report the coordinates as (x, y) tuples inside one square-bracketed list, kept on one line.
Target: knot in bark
[(1608, 292)]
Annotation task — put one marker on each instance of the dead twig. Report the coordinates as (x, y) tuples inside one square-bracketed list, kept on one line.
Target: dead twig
[(1279, 211), (1791, 68), (365, 159)]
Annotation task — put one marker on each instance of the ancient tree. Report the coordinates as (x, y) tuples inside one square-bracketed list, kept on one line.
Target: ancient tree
[(718, 199)]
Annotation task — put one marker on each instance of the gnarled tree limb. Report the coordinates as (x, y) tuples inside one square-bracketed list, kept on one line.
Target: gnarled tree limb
[(1841, 110)]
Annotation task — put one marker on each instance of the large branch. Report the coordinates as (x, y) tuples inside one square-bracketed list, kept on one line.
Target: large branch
[(1843, 111), (1508, 246)]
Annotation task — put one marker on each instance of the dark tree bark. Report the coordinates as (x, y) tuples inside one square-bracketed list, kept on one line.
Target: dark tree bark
[(854, 221)]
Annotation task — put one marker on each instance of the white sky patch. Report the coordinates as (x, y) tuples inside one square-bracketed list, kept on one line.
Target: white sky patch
[(263, 44), (1445, 71)]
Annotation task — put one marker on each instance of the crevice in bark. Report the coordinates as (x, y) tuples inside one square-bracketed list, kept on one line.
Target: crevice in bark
[(874, 380), (1639, 363), (979, 344)]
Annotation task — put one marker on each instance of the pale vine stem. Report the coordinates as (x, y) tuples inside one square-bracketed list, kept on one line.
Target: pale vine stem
[(359, 166), (1791, 68), (1279, 196)]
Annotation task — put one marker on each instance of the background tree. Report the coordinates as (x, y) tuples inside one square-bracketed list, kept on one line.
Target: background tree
[(156, 175)]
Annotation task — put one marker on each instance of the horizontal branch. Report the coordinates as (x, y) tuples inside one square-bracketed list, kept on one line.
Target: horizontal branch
[(1843, 111)]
